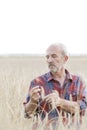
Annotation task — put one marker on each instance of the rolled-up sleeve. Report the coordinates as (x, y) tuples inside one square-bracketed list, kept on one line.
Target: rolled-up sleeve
[(83, 102), (28, 96), (32, 84)]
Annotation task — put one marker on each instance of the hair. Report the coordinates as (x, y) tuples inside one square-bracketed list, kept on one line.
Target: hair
[(62, 48)]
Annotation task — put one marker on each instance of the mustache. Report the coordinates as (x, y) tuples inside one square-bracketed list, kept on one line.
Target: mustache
[(50, 64)]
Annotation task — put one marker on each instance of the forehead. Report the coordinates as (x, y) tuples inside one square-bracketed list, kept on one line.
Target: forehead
[(53, 50)]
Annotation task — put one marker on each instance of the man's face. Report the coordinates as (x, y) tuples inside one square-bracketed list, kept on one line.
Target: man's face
[(55, 59)]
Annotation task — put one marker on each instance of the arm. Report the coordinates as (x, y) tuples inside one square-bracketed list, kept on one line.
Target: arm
[(76, 105), (31, 106), (55, 101), (69, 106)]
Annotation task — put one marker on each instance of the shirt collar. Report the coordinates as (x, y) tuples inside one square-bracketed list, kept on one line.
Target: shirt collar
[(68, 76)]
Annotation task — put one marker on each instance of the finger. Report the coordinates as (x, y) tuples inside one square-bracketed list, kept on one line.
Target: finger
[(35, 96), (52, 95), (36, 87), (48, 96), (55, 91), (49, 99), (35, 90), (42, 92)]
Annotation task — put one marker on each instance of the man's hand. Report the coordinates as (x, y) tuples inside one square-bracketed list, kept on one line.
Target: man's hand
[(53, 99), (36, 93)]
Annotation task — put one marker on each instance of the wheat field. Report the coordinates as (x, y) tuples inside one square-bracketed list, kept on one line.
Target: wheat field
[(16, 72)]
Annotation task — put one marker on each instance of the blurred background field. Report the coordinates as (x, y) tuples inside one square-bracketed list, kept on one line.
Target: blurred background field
[(15, 74)]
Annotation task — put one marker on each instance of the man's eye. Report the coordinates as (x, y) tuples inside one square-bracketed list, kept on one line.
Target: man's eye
[(54, 56), (47, 57)]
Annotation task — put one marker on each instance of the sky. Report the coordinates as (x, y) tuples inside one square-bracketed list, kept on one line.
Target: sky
[(30, 26)]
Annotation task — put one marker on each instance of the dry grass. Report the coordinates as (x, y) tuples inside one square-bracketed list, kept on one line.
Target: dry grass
[(15, 75)]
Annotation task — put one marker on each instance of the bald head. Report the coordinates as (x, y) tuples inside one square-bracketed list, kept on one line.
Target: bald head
[(58, 47)]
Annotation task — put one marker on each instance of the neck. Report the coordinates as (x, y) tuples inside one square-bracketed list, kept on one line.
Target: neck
[(59, 75)]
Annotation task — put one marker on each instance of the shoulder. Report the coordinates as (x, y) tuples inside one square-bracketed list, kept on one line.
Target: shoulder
[(40, 80), (77, 78), (78, 81)]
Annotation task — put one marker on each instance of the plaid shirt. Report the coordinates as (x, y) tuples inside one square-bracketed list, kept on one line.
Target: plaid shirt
[(72, 86)]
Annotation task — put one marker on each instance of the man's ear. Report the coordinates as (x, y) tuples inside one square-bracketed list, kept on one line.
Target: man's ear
[(66, 58)]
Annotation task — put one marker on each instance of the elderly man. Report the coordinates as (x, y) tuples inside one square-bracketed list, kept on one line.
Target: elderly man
[(56, 92)]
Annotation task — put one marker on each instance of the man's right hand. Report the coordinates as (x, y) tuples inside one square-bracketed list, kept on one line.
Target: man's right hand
[(36, 93)]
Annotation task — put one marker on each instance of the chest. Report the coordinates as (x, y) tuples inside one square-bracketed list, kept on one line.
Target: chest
[(68, 91)]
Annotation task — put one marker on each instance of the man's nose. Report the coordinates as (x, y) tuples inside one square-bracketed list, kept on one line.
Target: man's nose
[(50, 59)]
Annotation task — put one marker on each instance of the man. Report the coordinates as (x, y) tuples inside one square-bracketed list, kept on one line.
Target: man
[(57, 92)]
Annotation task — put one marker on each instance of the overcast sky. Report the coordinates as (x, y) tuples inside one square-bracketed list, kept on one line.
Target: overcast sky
[(29, 26)]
